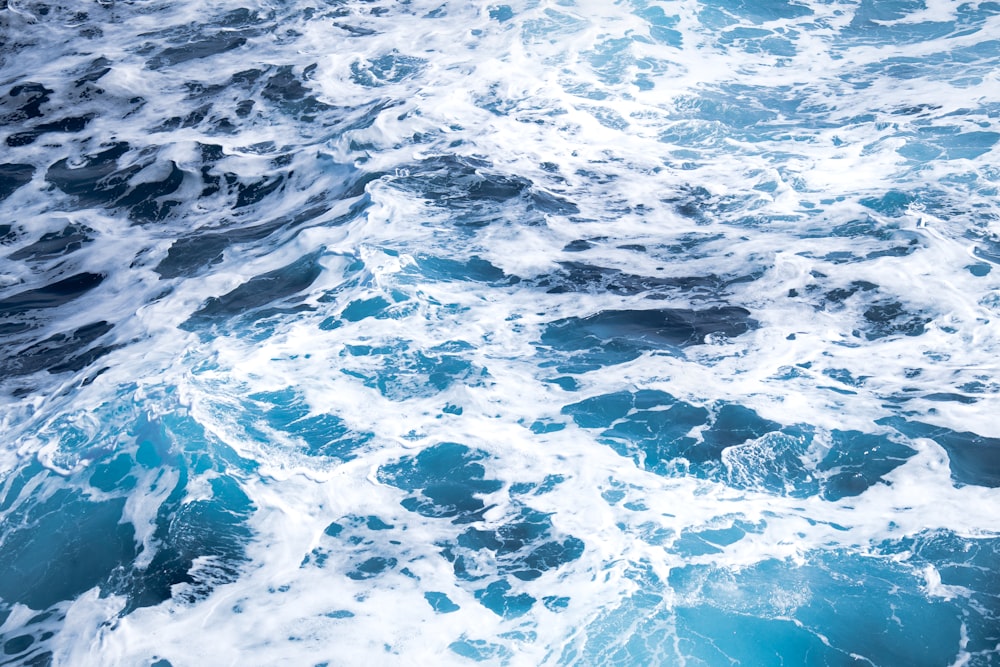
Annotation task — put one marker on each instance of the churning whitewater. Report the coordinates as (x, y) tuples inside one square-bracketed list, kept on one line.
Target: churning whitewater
[(553, 332)]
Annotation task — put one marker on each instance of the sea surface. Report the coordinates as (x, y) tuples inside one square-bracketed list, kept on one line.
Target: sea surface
[(551, 332)]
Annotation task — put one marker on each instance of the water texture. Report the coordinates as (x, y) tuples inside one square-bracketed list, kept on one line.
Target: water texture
[(564, 332)]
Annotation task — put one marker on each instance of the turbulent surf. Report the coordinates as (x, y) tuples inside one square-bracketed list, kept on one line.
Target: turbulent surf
[(563, 332)]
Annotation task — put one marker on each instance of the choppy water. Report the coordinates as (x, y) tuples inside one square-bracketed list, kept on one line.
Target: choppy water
[(538, 333)]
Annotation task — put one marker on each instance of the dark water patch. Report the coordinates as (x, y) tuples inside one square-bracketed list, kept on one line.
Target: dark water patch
[(244, 108), (578, 245), (389, 68), (284, 86), (734, 444), (200, 542), (331, 183), (242, 18), (95, 180), (754, 630), (949, 146), (732, 425), (355, 30), (523, 547), (704, 207), (841, 294), (52, 295), (857, 461), (695, 542), (248, 194), (23, 102), (30, 648), (880, 316), (190, 119), (944, 397), (844, 376), (754, 11), (969, 565), (545, 486), (603, 411), (322, 434), (54, 244), (361, 548), (497, 598), (68, 125), (890, 319), (661, 26), (870, 11), (617, 336), (783, 614), (501, 13), (374, 523), (758, 40), (190, 254), (445, 480), (982, 385), (453, 179), (66, 351), (979, 269), (866, 226), (923, 109), (94, 72), (893, 203), (583, 277), (285, 89), (547, 202), (59, 548), (360, 309), (869, 25), (144, 201), (114, 474), (405, 374), (202, 47), (440, 602), (973, 458), (895, 251), (211, 530), (475, 269), (471, 185), (14, 176), (371, 567), (541, 426), (268, 288), (480, 650), (18, 644), (651, 427), (835, 257)]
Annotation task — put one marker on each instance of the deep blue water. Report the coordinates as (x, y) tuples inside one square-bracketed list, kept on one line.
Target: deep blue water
[(540, 333)]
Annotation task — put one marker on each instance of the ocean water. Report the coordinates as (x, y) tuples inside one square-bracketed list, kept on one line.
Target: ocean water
[(551, 332)]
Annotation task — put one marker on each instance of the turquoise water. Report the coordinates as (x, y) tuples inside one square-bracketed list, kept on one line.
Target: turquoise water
[(538, 333)]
